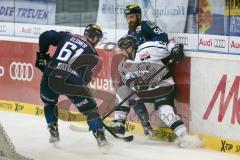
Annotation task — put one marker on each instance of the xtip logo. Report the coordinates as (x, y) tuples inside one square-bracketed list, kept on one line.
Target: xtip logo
[(224, 102), (39, 111), (71, 117), (18, 107)]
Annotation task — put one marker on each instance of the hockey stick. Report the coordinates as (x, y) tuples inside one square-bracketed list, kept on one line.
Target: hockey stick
[(80, 129), (126, 139), (115, 107)]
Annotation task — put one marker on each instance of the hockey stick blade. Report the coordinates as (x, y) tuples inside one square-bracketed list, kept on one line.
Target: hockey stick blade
[(81, 129), (126, 139)]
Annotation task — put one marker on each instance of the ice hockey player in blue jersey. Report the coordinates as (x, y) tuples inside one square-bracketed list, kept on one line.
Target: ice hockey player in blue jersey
[(69, 49), (143, 31)]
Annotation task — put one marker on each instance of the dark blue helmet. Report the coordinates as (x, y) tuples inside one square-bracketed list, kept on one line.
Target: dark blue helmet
[(93, 30), (132, 9)]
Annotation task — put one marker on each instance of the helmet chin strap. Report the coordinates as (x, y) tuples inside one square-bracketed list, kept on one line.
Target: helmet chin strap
[(90, 40), (132, 55)]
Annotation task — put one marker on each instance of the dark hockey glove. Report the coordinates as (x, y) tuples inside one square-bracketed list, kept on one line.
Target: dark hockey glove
[(177, 52), (42, 60), (137, 84)]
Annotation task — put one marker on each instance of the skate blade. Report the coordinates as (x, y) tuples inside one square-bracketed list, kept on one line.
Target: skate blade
[(104, 147), (190, 141), (54, 140)]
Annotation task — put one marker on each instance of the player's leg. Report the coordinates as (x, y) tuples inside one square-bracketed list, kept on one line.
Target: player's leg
[(50, 99), (142, 113), (164, 104), (121, 113), (88, 107), (119, 120)]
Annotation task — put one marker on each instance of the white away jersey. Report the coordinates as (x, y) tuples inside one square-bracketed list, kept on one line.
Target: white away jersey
[(146, 62)]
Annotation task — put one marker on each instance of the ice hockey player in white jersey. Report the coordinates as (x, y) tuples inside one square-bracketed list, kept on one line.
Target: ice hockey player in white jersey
[(143, 31), (140, 74)]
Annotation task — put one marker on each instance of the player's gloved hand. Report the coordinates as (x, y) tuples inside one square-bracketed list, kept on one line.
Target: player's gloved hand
[(42, 60), (177, 52), (138, 84)]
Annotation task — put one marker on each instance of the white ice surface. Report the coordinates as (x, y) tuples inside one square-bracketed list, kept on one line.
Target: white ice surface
[(30, 136)]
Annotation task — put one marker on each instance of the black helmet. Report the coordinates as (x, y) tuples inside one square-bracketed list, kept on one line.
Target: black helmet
[(93, 30), (132, 9), (126, 41)]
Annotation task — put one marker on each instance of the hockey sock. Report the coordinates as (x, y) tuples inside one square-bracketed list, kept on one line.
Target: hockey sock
[(172, 120), (51, 113), (142, 113), (94, 121)]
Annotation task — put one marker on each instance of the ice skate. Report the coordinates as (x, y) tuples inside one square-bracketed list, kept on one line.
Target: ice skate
[(189, 141), (54, 134), (118, 127), (148, 130), (100, 137)]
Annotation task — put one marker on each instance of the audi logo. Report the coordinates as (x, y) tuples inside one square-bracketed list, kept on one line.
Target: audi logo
[(219, 43), (36, 30), (21, 71), (181, 40), (1, 71), (3, 28)]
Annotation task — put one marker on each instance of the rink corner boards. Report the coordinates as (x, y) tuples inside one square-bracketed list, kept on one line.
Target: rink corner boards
[(213, 143)]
